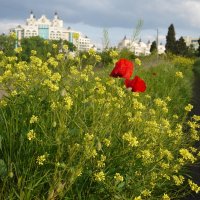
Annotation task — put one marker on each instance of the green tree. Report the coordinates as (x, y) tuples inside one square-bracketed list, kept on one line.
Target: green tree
[(171, 40), (153, 48), (191, 51), (7, 44), (181, 48), (37, 43), (198, 50), (33, 43)]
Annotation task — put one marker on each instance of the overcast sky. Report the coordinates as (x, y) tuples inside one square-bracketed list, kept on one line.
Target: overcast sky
[(118, 16)]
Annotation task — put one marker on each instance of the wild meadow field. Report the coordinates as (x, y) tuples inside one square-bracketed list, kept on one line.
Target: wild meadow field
[(70, 129)]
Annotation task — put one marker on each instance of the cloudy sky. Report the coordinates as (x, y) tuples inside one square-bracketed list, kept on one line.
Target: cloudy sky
[(119, 17)]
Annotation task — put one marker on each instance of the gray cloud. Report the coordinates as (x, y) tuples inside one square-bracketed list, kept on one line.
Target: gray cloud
[(124, 14)]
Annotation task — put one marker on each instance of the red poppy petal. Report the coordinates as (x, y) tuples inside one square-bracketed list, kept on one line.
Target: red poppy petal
[(123, 68), (137, 84)]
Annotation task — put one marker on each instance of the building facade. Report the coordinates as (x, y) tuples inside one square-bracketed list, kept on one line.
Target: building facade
[(51, 30), (191, 41), (139, 48)]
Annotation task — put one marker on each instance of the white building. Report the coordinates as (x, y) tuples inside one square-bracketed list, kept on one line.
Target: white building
[(191, 41), (51, 30), (139, 48), (161, 49)]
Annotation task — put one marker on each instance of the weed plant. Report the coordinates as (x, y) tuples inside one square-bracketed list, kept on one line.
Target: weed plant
[(68, 132)]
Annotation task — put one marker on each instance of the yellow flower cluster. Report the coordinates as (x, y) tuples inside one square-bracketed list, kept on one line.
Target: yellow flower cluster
[(132, 141), (146, 193), (107, 142), (194, 187), (138, 198), (53, 87), (88, 137), (179, 74), (178, 179), (189, 107), (165, 197), (138, 105), (187, 155), (99, 176), (31, 135), (68, 102), (33, 119), (146, 155), (18, 50), (118, 177), (41, 159), (196, 118), (101, 162), (138, 61)]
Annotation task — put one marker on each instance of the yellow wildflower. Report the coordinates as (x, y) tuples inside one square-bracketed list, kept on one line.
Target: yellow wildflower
[(40, 160), (18, 50), (97, 58), (88, 137), (196, 118), (179, 74), (146, 193), (194, 187), (113, 54), (54, 46), (165, 197), (189, 107), (65, 47), (92, 52), (99, 176), (31, 135), (33, 52), (133, 142), (175, 116), (178, 179), (68, 102), (138, 61), (118, 177), (187, 155), (106, 142), (138, 198), (33, 119)]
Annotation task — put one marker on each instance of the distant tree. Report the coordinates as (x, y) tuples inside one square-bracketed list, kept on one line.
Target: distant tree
[(33, 43), (198, 50), (171, 40), (37, 43), (181, 47), (7, 44), (153, 48), (191, 51)]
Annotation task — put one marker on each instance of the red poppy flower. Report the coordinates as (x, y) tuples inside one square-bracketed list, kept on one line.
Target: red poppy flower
[(123, 68), (137, 84)]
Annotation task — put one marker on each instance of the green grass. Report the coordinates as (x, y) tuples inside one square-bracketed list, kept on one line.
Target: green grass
[(93, 138)]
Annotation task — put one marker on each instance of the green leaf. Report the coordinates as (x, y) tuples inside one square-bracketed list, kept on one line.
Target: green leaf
[(121, 185), (3, 169), (0, 142)]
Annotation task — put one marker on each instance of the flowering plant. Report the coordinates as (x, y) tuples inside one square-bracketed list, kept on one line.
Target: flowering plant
[(124, 69), (136, 85)]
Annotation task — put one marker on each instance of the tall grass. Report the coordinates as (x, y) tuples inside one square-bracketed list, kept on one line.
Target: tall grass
[(68, 133)]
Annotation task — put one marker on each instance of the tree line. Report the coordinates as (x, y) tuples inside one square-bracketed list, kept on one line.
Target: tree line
[(9, 42), (177, 47)]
